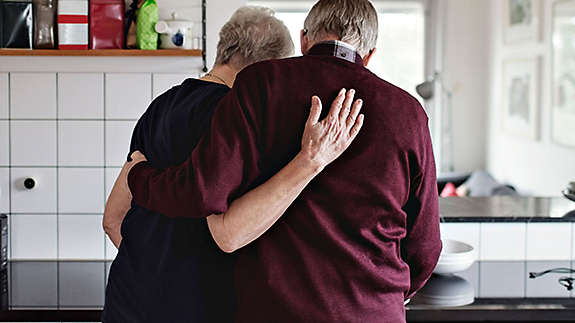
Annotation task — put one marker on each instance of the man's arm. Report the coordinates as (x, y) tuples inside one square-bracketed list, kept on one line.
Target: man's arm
[(422, 245), (256, 211)]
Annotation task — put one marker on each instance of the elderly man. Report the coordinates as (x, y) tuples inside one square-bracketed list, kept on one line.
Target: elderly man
[(364, 235)]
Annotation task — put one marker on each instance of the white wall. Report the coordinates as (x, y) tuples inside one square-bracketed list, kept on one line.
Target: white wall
[(465, 64), (218, 12), (538, 167)]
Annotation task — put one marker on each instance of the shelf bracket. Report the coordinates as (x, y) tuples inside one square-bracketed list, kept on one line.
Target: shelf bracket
[(204, 37)]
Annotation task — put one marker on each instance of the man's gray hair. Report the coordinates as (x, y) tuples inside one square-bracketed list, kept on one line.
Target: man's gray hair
[(253, 34), (353, 21)]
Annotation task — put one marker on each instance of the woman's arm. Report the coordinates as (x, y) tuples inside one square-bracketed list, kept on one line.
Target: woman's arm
[(256, 211)]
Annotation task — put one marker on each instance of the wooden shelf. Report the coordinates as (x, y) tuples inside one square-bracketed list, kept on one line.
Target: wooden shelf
[(101, 52)]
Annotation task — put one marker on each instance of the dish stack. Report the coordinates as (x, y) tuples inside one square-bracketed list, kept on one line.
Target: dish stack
[(444, 288)]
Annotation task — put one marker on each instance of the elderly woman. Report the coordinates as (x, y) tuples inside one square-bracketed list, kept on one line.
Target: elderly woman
[(178, 270)]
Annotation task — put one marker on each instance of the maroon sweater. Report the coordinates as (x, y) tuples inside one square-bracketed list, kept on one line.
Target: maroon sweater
[(362, 237)]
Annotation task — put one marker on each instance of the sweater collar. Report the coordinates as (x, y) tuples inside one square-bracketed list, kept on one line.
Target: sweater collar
[(337, 49)]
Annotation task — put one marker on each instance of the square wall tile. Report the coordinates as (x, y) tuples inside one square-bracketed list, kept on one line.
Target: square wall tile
[(34, 237), (549, 241), (464, 232), (127, 95), (111, 250), (118, 139), (503, 241), (4, 95), (81, 237), (81, 143), (81, 284), (81, 95), (33, 95), (41, 198), (33, 143), (164, 82), (111, 176), (34, 284), (81, 190), (4, 190), (547, 285), (502, 279), (4, 143)]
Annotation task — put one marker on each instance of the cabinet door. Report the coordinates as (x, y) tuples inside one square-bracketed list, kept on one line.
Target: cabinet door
[(81, 96), (39, 196), (33, 95), (4, 98), (127, 95)]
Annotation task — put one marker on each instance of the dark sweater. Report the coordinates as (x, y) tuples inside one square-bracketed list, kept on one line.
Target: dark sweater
[(362, 237)]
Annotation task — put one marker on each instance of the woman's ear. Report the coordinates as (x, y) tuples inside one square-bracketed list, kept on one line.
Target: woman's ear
[(304, 41), (368, 57)]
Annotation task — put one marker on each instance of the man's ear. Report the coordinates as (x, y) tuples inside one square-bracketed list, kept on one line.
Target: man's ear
[(304, 41), (368, 57)]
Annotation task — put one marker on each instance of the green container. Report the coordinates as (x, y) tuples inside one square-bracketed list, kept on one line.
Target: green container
[(146, 35)]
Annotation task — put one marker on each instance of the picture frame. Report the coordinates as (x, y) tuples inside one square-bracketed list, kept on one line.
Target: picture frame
[(563, 74), (521, 99), (522, 21)]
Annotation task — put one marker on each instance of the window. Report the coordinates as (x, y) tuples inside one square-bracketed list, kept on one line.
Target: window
[(400, 55)]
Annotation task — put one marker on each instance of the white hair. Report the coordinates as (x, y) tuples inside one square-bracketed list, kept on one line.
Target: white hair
[(251, 35), (353, 21)]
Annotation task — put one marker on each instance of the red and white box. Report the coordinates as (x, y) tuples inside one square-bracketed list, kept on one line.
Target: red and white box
[(73, 24)]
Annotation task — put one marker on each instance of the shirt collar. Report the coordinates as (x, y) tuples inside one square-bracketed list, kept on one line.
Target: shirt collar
[(338, 49)]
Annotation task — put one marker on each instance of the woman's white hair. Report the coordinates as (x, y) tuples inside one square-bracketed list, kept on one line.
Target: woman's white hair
[(353, 21), (251, 35)]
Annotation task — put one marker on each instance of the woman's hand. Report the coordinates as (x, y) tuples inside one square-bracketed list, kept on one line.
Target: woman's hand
[(325, 141)]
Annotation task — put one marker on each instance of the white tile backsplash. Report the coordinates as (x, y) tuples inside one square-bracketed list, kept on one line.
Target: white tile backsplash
[(464, 232), (34, 236), (549, 241), (127, 95), (164, 82), (111, 175), (40, 199), (4, 143), (4, 96), (81, 143), (4, 190), (80, 237), (81, 190), (503, 241), (111, 250), (118, 137), (80, 95), (33, 95), (33, 143)]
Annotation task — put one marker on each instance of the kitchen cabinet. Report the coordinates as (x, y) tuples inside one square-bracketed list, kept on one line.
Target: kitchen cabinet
[(33, 143), (81, 190), (4, 96), (39, 198), (81, 143), (34, 236), (118, 137), (80, 236), (33, 95), (81, 95), (127, 95), (163, 82)]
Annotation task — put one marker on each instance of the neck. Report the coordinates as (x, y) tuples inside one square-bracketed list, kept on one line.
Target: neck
[(222, 74)]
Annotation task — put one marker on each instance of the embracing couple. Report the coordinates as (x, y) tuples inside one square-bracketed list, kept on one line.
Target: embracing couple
[(244, 200)]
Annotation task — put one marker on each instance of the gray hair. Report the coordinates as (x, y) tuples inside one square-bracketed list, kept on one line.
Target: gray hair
[(353, 21), (251, 35)]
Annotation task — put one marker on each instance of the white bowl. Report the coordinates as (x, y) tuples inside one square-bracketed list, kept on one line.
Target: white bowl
[(456, 256), (446, 291)]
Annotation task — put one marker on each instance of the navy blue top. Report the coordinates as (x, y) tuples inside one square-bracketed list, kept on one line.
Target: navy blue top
[(171, 270)]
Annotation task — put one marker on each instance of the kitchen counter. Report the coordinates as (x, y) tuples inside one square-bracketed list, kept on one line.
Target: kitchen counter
[(67, 291), (506, 209)]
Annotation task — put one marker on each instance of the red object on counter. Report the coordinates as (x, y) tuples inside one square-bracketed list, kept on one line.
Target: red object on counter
[(106, 24)]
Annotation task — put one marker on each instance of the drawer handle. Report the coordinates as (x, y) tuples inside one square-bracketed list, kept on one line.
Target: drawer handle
[(29, 183)]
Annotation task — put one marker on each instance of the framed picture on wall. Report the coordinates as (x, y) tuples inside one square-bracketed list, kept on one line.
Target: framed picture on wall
[(563, 109), (521, 97), (521, 21)]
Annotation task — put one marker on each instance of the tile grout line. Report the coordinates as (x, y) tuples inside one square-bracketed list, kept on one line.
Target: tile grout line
[(9, 169), (104, 110), (58, 189)]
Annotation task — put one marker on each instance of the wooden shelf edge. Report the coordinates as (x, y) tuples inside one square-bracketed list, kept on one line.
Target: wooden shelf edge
[(102, 52)]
